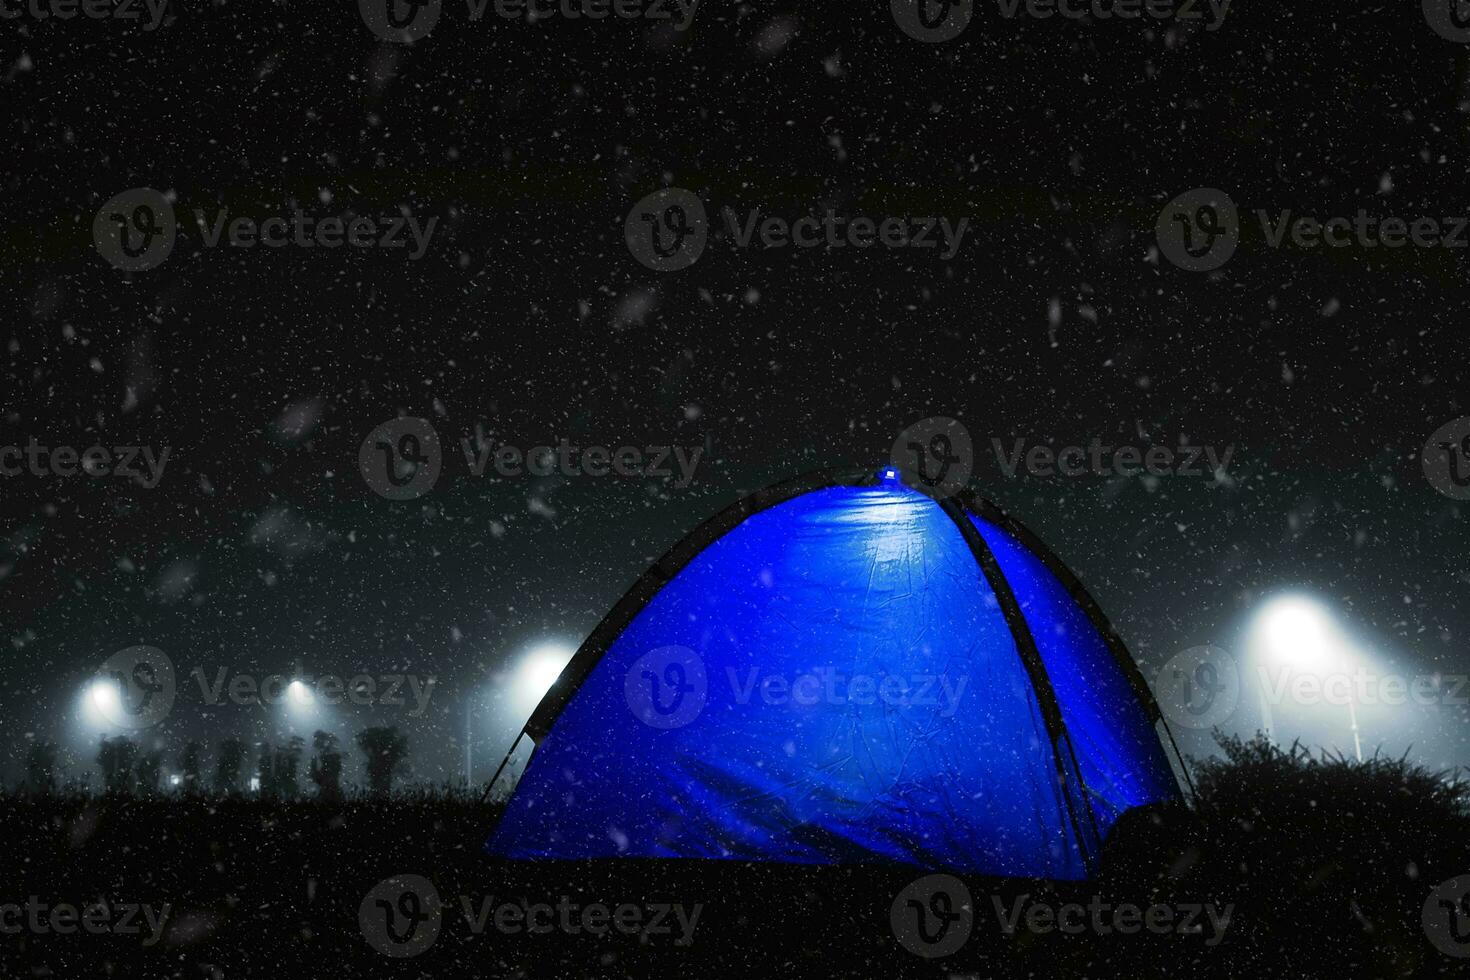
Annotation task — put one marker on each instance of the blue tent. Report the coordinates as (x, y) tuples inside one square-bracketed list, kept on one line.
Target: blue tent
[(844, 671)]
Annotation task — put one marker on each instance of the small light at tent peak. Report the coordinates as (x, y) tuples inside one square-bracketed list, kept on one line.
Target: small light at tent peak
[(890, 474), (299, 693)]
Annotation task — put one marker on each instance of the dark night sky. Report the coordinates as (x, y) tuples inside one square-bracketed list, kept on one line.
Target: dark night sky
[(263, 371)]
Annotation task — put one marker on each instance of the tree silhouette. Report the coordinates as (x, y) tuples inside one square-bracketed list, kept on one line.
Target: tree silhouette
[(149, 769), (189, 762), (227, 767), (41, 768), (386, 752), (265, 772), (116, 757), (287, 767), (326, 766)]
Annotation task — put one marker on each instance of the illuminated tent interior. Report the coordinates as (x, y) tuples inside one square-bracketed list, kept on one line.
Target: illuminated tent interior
[(843, 670)]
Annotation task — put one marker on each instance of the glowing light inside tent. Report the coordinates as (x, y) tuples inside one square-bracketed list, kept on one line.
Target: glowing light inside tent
[(299, 695)]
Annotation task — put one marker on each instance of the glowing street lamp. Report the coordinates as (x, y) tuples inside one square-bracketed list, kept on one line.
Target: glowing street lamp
[(539, 670), (533, 676), (104, 700), (300, 703), (1295, 633)]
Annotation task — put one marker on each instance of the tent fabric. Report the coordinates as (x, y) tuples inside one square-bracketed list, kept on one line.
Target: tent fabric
[(1120, 760), (834, 681)]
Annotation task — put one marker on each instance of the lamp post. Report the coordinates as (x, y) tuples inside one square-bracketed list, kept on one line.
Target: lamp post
[(469, 742), (1297, 634)]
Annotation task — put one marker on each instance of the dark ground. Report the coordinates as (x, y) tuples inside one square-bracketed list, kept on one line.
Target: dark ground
[(1324, 864)]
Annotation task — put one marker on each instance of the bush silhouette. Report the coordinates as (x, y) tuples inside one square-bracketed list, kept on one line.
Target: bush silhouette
[(41, 768), (227, 767), (190, 764), (149, 771), (1327, 861), (326, 766), (287, 768), (115, 757)]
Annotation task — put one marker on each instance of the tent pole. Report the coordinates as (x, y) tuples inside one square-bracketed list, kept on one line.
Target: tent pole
[(1031, 662)]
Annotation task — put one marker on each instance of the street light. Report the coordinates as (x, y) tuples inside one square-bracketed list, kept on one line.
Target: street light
[(102, 704), (1296, 633), (539, 669), (527, 684)]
